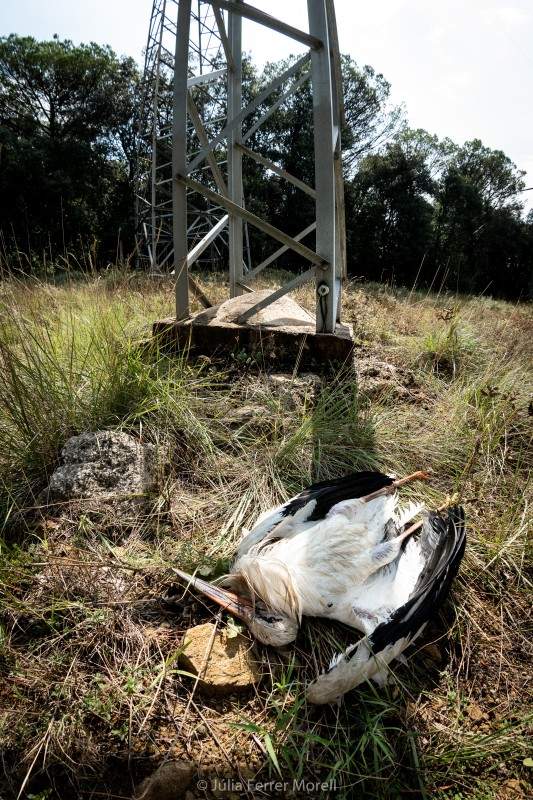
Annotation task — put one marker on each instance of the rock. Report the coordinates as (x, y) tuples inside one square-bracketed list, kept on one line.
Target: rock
[(105, 463), (382, 378), (282, 313), (474, 712), (284, 380), (294, 390), (512, 789), (229, 667), (249, 416), (170, 781)]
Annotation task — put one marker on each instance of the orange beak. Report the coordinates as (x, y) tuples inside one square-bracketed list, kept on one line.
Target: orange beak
[(240, 607)]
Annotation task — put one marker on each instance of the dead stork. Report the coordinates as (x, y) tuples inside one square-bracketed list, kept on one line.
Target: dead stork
[(343, 550)]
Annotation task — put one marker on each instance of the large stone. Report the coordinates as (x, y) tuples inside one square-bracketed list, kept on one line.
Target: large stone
[(103, 464), (170, 781), (282, 313), (224, 662)]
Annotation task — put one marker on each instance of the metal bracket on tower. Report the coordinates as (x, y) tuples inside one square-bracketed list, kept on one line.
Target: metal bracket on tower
[(194, 139)]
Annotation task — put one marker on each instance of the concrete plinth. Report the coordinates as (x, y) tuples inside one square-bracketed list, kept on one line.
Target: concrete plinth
[(281, 333)]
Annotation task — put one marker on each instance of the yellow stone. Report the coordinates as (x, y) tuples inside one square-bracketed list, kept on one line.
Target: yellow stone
[(225, 663)]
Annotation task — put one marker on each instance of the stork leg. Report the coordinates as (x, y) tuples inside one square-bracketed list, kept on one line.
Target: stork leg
[(386, 552), (415, 476)]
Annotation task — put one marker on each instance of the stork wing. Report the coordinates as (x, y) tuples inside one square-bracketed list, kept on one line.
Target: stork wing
[(442, 544), (327, 494), (314, 503)]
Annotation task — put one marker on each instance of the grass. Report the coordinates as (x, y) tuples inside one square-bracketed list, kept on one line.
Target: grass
[(93, 697)]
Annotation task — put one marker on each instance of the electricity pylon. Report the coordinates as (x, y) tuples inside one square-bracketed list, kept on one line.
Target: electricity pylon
[(195, 133)]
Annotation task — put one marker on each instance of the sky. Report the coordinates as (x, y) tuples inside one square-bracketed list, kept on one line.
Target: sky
[(462, 68)]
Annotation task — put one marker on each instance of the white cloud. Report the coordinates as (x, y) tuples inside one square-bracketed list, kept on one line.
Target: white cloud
[(511, 17)]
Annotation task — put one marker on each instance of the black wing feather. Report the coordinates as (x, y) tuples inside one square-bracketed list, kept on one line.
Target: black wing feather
[(443, 540), (329, 493)]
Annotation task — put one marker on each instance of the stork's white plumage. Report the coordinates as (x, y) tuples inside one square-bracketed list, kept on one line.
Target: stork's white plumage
[(339, 550), (316, 568)]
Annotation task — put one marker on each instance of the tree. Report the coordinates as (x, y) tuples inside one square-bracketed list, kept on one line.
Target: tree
[(417, 208), (370, 119), (491, 172), (286, 138), (436, 153), (478, 225), (389, 215), (67, 145)]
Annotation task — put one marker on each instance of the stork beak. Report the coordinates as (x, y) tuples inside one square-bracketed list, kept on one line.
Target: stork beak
[(240, 607)]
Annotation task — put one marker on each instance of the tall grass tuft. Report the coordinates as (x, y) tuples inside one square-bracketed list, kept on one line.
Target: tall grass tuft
[(79, 369)]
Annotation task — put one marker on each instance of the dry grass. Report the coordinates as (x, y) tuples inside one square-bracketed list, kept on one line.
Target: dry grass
[(93, 697)]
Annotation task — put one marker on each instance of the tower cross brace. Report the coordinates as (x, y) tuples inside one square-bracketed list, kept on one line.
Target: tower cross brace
[(196, 132)]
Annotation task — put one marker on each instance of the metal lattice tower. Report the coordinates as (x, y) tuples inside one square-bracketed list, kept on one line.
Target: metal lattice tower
[(195, 131), (155, 121)]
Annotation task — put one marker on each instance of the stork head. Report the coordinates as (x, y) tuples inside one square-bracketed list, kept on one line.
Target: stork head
[(267, 626), (271, 627)]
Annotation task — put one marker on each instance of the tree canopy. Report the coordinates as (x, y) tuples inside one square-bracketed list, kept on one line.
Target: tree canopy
[(418, 209), (66, 116)]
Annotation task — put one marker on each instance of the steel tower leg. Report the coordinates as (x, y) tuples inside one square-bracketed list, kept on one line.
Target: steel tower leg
[(154, 268), (179, 160), (236, 250), (327, 281)]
